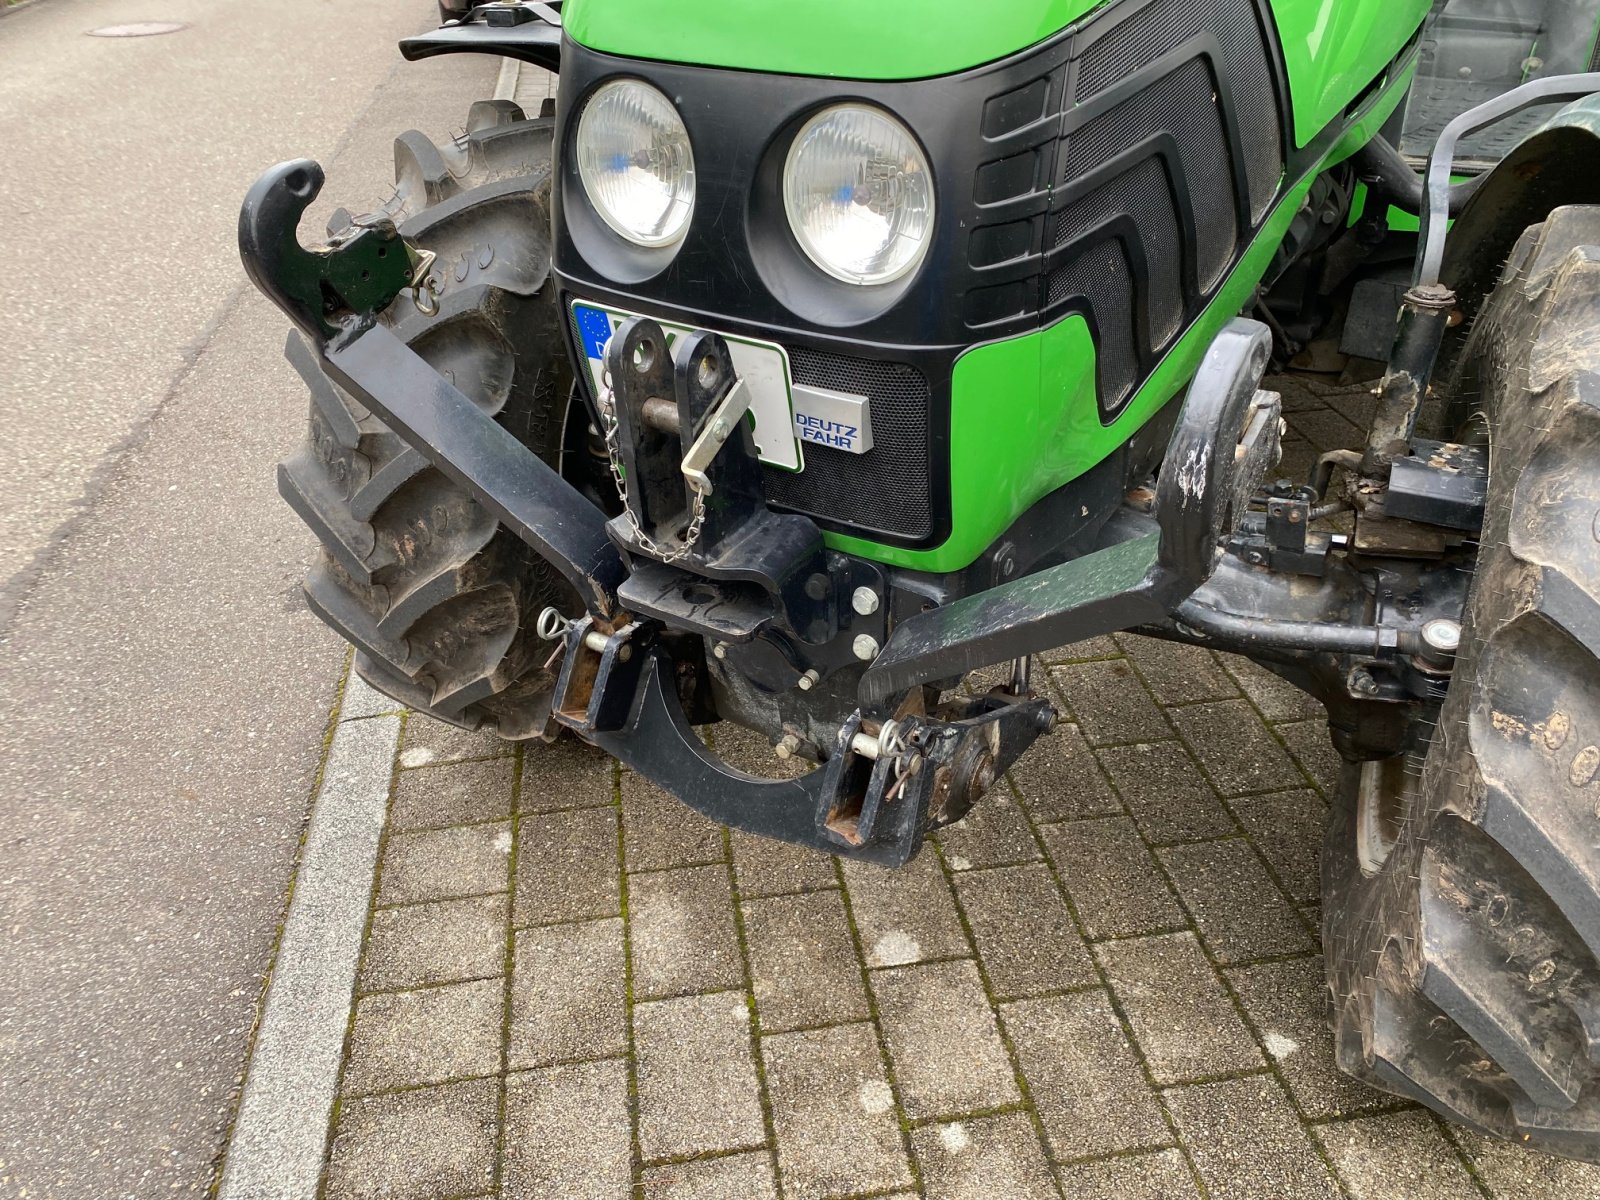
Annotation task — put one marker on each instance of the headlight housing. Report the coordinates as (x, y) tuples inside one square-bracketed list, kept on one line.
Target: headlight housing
[(859, 195), (636, 163)]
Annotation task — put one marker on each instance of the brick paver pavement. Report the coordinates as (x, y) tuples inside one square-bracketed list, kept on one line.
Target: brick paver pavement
[(1105, 982)]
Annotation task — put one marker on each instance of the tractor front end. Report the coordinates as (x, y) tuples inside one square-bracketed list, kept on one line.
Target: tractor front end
[(805, 360)]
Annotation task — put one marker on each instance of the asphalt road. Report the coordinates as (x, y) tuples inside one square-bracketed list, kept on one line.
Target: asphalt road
[(163, 692)]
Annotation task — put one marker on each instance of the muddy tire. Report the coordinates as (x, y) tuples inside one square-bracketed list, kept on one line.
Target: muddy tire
[(1462, 887), (439, 600)]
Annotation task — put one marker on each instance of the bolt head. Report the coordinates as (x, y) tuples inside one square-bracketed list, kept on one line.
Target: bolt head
[(864, 600), (1443, 634), (720, 650), (808, 681), (865, 647)]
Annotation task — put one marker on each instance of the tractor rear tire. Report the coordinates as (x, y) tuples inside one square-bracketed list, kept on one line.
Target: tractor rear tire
[(439, 600), (1461, 887)]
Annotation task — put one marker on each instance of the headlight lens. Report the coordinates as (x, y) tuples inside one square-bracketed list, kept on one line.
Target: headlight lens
[(636, 163), (859, 194)]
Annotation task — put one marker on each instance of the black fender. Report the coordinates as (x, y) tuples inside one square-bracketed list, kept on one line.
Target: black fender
[(528, 32), (1556, 166)]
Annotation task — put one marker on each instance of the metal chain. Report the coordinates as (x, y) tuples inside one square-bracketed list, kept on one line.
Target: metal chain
[(697, 509)]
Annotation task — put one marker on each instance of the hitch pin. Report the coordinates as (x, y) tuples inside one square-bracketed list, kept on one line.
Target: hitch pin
[(714, 434)]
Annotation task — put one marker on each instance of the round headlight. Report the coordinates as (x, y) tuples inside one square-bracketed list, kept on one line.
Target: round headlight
[(859, 194), (636, 163)]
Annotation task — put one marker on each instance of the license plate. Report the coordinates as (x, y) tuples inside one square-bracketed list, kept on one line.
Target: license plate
[(764, 367)]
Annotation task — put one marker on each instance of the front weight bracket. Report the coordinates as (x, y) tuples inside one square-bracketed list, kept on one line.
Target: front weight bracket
[(325, 288)]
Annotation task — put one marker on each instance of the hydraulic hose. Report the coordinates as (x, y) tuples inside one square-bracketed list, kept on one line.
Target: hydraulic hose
[(1245, 632), (1389, 177)]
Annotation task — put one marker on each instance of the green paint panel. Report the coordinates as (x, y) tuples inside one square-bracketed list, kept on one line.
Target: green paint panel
[(845, 39), (1023, 415), (1334, 49)]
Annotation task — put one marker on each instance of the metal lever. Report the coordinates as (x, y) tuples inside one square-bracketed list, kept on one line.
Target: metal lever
[(714, 434)]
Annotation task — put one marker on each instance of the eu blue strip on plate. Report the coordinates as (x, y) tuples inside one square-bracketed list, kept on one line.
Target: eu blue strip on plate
[(594, 330)]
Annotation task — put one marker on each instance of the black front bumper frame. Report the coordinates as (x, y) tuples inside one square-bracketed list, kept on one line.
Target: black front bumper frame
[(897, 768)]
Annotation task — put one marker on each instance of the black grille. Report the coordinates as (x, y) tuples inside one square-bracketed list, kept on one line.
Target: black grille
[(889, 488), (1170, 154), (1163, 26), (1178, 104), (1102, 276)]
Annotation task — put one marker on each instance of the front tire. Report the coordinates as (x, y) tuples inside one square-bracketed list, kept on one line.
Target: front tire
[(439, 600), (1462, 889)]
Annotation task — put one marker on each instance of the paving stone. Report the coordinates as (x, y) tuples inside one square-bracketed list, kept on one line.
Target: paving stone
[(443, 942), (994, 834), (697, 1076), (567, 866), (1514, 1173), (833, 1112), (1311, 918), (1239, 911), (1235, 749), (1275, 697), (803, 964), (1165, 793), (764, 866), (456, 794), (1026, 937), (1182, 1016), (1246, 1143), (1402, 1154), (660, 831), (1095, 647), (1161, 1176), (753, 754), (567, 994), (734, 1177), (1325, 429), (429, 741), (1059, 779), (1287, 1003), (1113, 882), (904, 916), (1356, 406), (1175, 673), (441, 864), (416, 1145), (1297, 393), (947, 1053), (406, 1039), (1313, 749), (1083, 1076), (1287, 827), (986, 679), (994, 1158), (567, 773), (1109, 703), (567, 1134), (681, 932)]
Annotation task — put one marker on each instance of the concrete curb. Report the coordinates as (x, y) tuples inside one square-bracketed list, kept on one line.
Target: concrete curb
[(280, 1137), (505, 88)]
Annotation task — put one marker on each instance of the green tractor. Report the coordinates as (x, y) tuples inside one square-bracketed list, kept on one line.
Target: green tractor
[(803, 359)]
